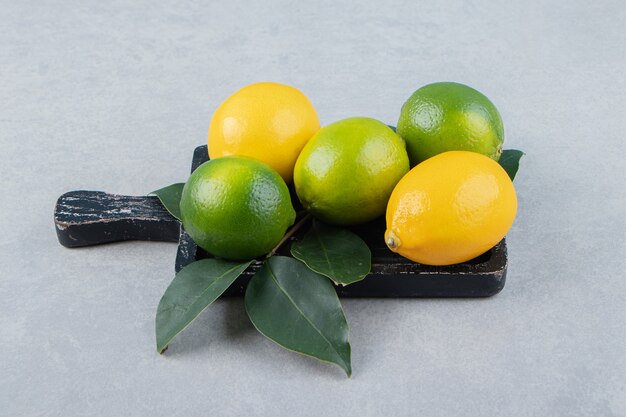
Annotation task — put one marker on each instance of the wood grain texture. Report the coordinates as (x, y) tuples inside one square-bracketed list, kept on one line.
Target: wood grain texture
[(85, 218)]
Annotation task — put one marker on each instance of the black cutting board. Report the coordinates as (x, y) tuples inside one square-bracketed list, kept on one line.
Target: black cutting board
[(85, 218)]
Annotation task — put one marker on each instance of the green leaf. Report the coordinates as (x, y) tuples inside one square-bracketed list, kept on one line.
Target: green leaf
[(299, 309), (509, 160), (170, 198), (334, 252), (192, 290)]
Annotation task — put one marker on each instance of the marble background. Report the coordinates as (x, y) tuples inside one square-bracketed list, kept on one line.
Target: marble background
[(115, 95)]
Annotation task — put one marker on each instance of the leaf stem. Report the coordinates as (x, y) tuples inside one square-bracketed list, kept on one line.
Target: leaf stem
[(289, 233)]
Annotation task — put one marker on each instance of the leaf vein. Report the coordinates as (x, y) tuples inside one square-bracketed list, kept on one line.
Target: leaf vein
[(328, 263), (303, 315), (199, 296)]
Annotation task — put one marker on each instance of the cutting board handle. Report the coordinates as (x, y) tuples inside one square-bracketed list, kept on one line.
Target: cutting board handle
[(86, 218)]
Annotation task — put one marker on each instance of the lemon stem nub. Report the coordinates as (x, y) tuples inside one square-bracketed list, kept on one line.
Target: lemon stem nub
[(392, 240)]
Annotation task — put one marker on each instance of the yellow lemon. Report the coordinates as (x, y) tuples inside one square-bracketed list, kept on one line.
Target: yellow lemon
[(450, 209), (267, 121)]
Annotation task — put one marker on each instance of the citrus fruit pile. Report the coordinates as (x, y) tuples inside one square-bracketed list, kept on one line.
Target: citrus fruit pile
[(273, 169), (455, 203)]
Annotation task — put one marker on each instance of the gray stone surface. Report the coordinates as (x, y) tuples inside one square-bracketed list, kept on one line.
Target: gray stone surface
[(115, 96)]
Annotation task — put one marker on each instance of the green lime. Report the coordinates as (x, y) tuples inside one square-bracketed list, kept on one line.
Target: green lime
[(347, 170), (449, 116), (236, 207)]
